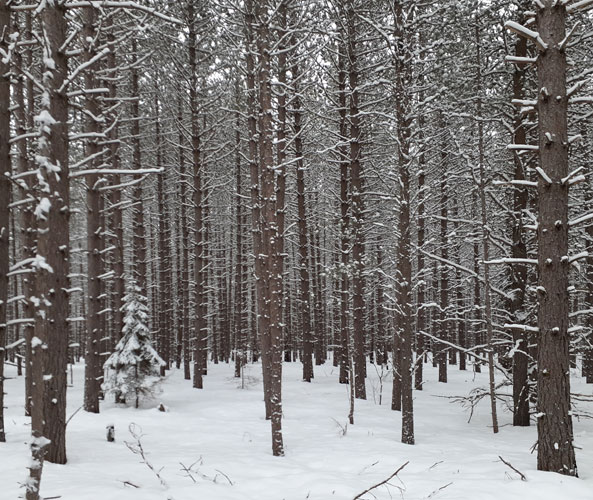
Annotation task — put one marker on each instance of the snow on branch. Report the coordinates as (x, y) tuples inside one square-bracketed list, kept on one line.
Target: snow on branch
[(115, 171), (520, 60), (524, 32), (543, 175), (582, 6), (511, 261), (82, 67), (106, 4), (524, 328), (579, 220)]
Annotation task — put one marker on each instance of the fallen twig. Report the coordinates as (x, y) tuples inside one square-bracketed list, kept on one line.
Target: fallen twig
[(385, 481), (223, 474), (521, 475), (439, 490), (130, 483)]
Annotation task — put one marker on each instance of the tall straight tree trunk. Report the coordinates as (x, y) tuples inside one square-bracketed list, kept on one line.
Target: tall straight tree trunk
[(183, 342), (485, 230), (270, 301), (93, 369), (24, 115), (319, 310), (48, 405), (255, 169), (139, 231), (444, 242), (117, 237), (356, 194), (478, 321), (5, 172), (404, 258), (587, 369), (518, 272), (200, 320), (555, 450), (164, 274), (305, 293), (240, 313), (344, 354), (421, 285)]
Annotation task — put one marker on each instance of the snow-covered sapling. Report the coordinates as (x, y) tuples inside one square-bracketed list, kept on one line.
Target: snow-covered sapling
[(133, 369)]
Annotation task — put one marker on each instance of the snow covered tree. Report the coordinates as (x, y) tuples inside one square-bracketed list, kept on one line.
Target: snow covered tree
[(134, 367)]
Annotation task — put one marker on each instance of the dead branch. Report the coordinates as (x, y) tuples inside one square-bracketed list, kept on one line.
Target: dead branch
[(385, 481), (521, 475), (137, 449), (435, 492)]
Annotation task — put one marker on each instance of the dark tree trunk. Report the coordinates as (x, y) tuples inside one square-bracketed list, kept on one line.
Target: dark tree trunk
[(357, 210), (93, 370), (555, 450), (404, 326), (305, 294), (5, 172), (518, 272), (48, 405)]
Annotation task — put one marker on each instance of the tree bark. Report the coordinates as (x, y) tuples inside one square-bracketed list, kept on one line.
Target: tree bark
[(5, 172), (554, 425), (48, 405), (93, 370)]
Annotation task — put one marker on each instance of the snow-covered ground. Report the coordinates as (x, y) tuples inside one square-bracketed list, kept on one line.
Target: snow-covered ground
[(221, 435)]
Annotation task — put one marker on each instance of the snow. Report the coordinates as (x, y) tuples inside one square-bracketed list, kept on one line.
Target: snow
[(219, 434)]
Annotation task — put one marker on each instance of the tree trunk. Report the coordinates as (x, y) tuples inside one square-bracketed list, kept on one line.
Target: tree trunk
[(305, 294), (5, 172), (48, 405), (555, 450), (518, 272), (93, 370)]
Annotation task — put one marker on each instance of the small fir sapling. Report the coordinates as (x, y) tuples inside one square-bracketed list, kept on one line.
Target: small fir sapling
[(133, 369)]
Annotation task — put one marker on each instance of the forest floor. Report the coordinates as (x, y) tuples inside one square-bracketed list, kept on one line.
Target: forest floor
[(219, 436)]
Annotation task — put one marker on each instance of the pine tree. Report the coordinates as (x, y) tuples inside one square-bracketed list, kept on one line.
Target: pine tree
[(134, 367)]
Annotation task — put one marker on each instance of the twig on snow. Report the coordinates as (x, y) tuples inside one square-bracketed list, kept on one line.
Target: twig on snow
[(385, 481), (137, 449), (521, 475), (437, 491)]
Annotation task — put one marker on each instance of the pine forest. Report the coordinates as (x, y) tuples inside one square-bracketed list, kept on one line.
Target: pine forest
[(296, 249)]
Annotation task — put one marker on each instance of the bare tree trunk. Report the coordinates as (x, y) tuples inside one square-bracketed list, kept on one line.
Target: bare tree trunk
[(422, 274), (404, 258), (444, 278), (165, 285), (24, 116), (139, 231), (518, 272), (485, 231), (117, 237), (5, 172), (305, 294), (344, 220), (183, 342), (271, 300), (240, 265), (93, 369), (48, 405), (356, 195), (555, 450), (200, 320)]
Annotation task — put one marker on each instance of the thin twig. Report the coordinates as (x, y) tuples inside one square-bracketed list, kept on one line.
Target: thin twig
[(360, 495), (523, 478), (71, 416), (129, 483), (223, 474), (439, 490)]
